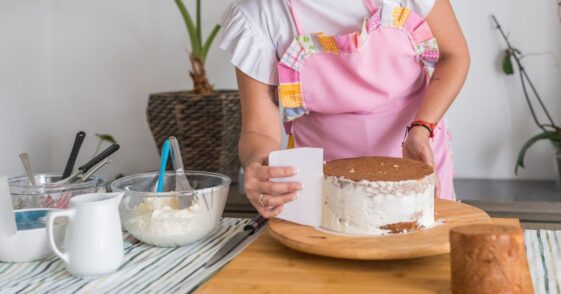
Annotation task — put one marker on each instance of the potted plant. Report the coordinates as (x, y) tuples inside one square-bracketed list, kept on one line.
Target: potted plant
[(554, 136), (206, 121), (549, 130)]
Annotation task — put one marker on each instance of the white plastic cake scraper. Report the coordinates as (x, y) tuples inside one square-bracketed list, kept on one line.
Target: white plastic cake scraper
[(7, 218), (306, 209)]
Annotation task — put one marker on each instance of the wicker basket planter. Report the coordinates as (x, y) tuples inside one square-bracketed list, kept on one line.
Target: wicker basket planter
[(207, 127)]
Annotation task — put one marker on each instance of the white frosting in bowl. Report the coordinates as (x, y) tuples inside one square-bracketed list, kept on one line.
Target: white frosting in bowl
[(163, 223)]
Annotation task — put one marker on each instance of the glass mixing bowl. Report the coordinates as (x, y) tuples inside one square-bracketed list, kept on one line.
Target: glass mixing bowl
[(46, 195), (171, 218)]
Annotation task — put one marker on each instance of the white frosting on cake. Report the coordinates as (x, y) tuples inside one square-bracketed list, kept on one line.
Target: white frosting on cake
[(365, 207)]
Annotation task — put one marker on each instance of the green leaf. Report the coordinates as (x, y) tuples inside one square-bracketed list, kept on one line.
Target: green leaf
[(191, 29), (554, 137), (507, 64), (107, 138), (208, 42), (199, 26), (118, 176)]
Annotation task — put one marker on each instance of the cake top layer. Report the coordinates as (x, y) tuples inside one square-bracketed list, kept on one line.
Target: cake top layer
[(387, 169)]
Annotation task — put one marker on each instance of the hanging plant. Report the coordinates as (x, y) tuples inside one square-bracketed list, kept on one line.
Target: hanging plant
[(549, 130), (508, 69)]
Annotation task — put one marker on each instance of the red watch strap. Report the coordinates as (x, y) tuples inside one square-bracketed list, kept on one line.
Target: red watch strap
[(419, 123)]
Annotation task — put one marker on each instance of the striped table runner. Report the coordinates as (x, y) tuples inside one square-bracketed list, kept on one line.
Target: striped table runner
[(544, 257), (146, 269)]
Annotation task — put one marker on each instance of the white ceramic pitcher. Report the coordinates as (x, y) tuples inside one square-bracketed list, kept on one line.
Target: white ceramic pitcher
[(94, 241)]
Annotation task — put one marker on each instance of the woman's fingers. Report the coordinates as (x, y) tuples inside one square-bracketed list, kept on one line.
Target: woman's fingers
[(269, 213), (406, 153), (274, 201), (255, 187), (264, 173), (419, 151), (273, 188), (269, 205), (266, 196), (428, 157)]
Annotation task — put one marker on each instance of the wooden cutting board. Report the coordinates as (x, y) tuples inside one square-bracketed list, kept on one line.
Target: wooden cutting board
[(421, 243)]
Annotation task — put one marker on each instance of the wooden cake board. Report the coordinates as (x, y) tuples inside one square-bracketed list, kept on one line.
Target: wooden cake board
[(420, 243)]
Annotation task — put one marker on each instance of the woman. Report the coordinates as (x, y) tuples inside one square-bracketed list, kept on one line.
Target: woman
[(374, 72)]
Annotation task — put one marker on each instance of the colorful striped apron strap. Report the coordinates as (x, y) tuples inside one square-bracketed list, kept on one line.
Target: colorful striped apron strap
[(289, 131)]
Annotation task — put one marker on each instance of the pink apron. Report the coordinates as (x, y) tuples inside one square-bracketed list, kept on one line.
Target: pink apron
[(354, 94)]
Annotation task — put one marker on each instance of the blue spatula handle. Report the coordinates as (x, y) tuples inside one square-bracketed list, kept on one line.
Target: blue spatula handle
[(163, 164)]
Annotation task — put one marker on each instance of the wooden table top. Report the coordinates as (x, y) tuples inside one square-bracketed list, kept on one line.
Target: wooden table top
[(266, 266)]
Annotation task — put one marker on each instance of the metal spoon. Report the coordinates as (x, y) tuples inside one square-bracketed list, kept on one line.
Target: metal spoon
[(27, 165), (94, 169)]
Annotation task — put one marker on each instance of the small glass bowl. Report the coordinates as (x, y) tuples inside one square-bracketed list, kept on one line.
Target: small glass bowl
[(46, 195), (171, 219), (31, 242)]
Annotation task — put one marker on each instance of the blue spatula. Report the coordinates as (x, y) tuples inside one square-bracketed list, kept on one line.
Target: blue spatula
[(163, 163)]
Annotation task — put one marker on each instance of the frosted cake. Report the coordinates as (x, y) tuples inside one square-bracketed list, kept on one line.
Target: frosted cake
[(377, 195)]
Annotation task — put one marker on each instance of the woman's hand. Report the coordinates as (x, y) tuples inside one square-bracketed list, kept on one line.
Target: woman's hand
[(417, 147), (266, 196)]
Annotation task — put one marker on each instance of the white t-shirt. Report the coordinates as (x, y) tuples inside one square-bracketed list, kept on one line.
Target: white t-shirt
[(258, 32)]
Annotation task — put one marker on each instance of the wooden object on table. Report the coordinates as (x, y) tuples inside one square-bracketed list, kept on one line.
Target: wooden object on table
[(267, 266), (489, 259), (420, 243)]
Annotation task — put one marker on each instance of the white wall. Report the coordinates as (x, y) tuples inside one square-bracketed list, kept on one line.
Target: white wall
[(108, 56), (490, 119), (25, 84)]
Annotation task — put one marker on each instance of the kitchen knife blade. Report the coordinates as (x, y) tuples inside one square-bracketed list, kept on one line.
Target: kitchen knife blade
[(248, 230)]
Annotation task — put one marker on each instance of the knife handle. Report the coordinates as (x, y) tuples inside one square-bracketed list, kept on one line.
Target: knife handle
[(101, 156), (255, 223), (80, 136)]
